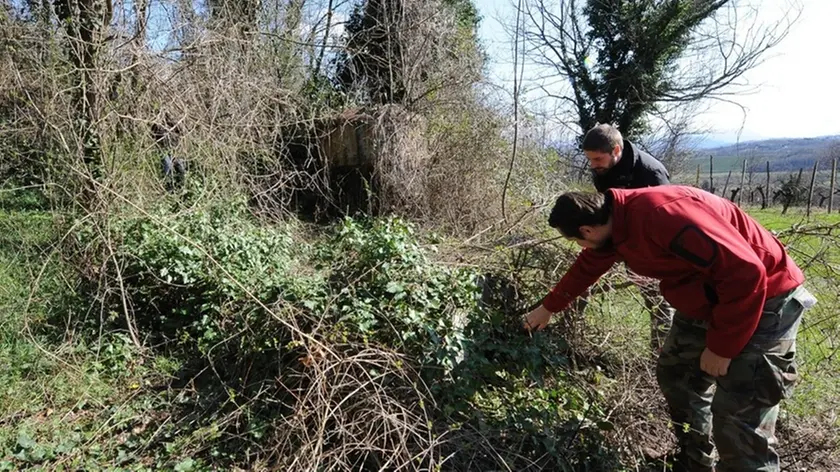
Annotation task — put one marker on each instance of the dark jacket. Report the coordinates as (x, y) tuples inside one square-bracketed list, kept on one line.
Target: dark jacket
[(714, 262), (635, 169)]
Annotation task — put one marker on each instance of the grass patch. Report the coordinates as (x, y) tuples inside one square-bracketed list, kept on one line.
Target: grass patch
[(71, 401)]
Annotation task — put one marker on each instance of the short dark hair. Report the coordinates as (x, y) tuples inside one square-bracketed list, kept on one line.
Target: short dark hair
[(603, 138), (575, 209)]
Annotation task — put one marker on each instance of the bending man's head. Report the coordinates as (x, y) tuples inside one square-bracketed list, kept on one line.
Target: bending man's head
[(585, 218)]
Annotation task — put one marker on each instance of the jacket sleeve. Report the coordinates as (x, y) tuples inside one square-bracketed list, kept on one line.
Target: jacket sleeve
[(589, 266), (695, 233)]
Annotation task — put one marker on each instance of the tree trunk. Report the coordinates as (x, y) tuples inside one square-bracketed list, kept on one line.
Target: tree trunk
[(767, 192), (712, 174), (811, 189), (725, 185), (84, 20)]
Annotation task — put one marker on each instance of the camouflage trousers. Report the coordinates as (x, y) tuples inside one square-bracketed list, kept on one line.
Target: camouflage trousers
[(741, 407)]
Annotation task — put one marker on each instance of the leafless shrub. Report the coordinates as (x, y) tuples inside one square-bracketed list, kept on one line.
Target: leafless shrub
[(360, 408), (466, 168), (401, 161)]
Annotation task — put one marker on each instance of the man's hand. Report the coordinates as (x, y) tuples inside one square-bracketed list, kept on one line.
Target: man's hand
[(713, 364), (537, 319)]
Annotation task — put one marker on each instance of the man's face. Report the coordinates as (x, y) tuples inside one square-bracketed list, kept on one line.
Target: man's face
[(601, 162), (594, 237)]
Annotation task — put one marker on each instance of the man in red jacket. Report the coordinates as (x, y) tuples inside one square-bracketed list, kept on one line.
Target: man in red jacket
[(739, 301)]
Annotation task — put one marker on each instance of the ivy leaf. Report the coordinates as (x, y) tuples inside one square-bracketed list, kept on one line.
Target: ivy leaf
[(394, 287), (25, 441), (185, 465)]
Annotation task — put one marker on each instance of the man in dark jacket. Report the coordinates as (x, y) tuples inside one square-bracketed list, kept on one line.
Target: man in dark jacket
[(739, 300), (618, 163)]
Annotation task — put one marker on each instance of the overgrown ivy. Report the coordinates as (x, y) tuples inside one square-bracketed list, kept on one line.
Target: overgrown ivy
[(219, 285)]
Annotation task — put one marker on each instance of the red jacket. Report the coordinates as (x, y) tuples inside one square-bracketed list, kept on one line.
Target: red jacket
[(714, 262)]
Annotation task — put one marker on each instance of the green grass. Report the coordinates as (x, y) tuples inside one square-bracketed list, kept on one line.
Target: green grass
[(721, 165), (70, 400), (818, 346)]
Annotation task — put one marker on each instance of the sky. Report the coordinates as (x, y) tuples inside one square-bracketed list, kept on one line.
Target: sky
[(797, 84)]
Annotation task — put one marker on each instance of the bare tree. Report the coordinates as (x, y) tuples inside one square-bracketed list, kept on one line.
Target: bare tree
[(84, 22), (791, 191), (621, 62), (669, 136), (406, 52)]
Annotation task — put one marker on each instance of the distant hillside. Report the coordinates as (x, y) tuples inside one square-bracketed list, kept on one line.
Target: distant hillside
[(788, 154)]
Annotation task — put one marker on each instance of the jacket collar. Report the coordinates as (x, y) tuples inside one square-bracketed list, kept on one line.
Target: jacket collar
[(623, 169), (629, 154)]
